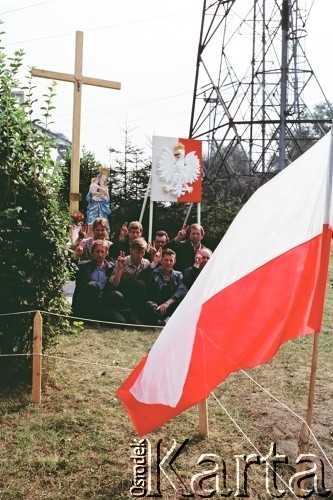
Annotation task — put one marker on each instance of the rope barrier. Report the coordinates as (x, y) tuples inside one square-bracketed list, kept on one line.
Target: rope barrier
[(125, 369), (102, 321), (86, 320), (19, 312), (85, 362), (62, 358), (8, 355), (252, 444), (301, 419), (102, 365)]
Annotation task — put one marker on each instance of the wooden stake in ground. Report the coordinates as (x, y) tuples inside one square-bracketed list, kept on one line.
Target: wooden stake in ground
[(203, 418), (304, 436), (37, 358), (78, 79)]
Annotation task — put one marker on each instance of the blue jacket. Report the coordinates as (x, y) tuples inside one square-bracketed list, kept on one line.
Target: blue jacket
[(159, 290), (84, 274)]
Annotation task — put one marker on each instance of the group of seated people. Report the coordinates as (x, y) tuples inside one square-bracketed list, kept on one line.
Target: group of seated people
[(130, 281)]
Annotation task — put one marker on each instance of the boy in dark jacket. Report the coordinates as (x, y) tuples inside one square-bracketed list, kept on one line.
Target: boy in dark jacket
[(165, 287)]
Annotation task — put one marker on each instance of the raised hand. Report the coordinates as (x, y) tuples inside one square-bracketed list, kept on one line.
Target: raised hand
[(119, 269), (197, 260), (152, 249), (157, 256), (123, 231), (182, 233), (81, 234), (78, 251), (121, 260)]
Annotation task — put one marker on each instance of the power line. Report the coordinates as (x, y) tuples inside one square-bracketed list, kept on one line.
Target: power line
[(26, 7), (126, 23)]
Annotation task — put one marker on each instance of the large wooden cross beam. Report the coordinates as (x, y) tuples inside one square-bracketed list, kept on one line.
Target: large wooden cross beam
[(78, 79)]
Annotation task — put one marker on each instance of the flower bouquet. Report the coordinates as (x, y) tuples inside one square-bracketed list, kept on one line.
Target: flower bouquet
[(77, 218), (78, 226)]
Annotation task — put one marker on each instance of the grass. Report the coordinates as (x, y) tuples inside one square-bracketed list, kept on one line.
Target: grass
[(76, 444)]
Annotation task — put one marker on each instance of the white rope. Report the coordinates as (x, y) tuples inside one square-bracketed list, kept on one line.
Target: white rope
[(8, 355), (62, 358), (100, 321), (86, 320), (66, 359), (293, 413), (16, 313), (85, 362), (251, 443), (126, 369)]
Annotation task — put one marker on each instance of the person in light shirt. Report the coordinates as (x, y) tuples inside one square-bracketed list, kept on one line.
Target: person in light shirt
[(125, 278), (92, 281), (82, 246)]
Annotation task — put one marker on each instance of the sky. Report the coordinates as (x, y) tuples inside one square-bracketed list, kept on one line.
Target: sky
[(149, 46)]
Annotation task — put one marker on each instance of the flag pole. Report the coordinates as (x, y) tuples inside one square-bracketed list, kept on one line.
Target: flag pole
[(304, 435), (188, 214), (203, 418), (145, 200)]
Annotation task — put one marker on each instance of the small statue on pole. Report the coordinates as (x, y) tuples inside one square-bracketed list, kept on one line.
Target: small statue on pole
[(98, 198)]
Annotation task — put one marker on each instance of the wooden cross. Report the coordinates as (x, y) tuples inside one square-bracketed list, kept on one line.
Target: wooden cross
[(78, 79)]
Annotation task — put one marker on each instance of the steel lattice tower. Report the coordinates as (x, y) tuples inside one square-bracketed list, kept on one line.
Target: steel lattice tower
[(250, 103)]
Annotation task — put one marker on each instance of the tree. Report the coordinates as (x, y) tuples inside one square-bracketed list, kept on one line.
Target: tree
[(129, 180), (89, 168), (302, 137), (322, 111), (227, 184), (35, 260)]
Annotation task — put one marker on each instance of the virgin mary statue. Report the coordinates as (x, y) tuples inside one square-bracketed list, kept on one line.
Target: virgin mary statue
[(98, 198)]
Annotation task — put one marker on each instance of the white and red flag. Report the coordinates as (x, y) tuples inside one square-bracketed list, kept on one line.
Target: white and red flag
[(265, 284)]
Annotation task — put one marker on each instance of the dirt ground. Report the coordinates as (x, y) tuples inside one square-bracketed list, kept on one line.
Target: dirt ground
[(281, 418)]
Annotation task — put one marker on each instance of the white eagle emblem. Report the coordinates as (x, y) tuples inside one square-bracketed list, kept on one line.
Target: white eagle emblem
[(178, 170)]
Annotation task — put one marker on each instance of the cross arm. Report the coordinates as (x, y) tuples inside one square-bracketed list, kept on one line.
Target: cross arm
[(67, 77), (101, 83), (53, 75)]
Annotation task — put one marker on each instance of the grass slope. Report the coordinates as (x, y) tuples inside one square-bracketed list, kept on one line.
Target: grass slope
[(77, 443)]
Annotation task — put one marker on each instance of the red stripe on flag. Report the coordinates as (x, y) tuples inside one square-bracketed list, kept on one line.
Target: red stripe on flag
[(244, 325), (195, 196)]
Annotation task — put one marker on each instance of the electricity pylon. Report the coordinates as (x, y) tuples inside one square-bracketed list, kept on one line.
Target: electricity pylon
[(249, 100)]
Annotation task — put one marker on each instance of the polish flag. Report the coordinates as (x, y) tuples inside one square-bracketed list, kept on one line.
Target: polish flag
[(265, 284)]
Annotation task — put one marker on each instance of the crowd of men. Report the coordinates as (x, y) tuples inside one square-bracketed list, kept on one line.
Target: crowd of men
[(128, 280)]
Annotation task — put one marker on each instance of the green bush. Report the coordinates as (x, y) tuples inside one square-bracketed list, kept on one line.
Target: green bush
[(34, 258)]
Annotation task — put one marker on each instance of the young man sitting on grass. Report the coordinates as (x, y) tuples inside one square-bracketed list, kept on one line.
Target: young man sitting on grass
[(164, 288), (125, 278), (93, 297)]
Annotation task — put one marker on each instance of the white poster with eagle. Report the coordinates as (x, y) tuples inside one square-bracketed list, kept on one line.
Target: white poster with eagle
[(176, 170)]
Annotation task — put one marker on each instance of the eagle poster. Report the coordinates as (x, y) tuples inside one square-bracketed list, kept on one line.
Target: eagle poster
[(176, 170)]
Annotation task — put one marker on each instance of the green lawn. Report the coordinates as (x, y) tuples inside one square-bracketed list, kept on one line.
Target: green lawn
[(77, 443)]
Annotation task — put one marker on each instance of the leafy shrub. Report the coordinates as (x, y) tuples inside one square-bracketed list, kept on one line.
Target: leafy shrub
[(34, 258)]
